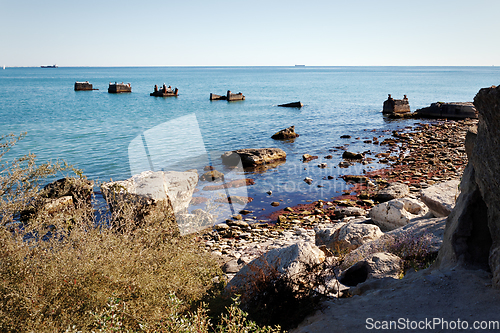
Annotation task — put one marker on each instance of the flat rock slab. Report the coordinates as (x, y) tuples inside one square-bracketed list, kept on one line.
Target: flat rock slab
[(441, 198), (253, 157), (421, 296)]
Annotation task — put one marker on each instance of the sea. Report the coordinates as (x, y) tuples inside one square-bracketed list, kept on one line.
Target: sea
[(115, 136)]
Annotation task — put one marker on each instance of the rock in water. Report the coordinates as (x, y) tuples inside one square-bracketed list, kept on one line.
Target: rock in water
[(212, 176), (308, 157), (292, 105), (352, 156), (253, 157), (285, 134)]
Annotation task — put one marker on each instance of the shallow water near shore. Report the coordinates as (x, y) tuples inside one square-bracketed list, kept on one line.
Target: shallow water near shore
[(94, 130)]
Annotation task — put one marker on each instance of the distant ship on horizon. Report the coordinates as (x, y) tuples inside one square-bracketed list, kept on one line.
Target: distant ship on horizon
[(53, 66), (300, 65)]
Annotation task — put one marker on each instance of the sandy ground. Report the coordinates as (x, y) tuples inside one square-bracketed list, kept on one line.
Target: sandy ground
[(425, 299)]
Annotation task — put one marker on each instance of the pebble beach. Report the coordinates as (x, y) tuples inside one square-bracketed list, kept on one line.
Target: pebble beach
[(426, 154)]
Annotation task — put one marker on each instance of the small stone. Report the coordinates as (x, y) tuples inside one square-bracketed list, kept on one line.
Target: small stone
[(307, 157), (275, 203), (221, 227), (212, 176), (281, 219), (352, 156), (344, 164)]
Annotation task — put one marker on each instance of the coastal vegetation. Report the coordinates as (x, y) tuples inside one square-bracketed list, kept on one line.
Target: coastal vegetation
[(66, 267)]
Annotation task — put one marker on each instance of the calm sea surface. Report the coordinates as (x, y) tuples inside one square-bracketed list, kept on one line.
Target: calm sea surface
[(94, 130)]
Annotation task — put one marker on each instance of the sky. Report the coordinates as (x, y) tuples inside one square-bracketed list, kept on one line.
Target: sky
[(250, 33)]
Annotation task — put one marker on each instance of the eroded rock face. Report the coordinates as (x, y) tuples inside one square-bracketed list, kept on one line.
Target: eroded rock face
[(397, 213), (472, 235), (377, 266)]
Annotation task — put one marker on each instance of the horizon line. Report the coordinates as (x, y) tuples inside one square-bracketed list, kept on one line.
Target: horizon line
[(234, 66)]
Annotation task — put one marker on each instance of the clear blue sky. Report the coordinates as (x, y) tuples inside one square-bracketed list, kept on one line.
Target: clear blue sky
[(249, 33)]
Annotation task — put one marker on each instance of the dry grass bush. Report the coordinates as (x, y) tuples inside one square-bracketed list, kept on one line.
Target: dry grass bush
[(277, 299), (129, 271), (56, 277), (59, 266)]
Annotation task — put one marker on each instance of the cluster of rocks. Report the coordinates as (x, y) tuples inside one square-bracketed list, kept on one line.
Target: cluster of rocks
[(411, 196), (333, 228), (418, 157)]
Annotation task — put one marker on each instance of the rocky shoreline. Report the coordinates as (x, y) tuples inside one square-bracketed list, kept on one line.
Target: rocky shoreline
[(417, 158)]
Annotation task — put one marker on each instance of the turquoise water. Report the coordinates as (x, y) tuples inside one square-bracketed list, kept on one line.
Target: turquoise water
[(93, 129)]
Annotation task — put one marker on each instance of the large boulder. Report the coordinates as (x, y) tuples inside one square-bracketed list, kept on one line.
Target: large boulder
[(376, 266), (64, 200), (397, 213), (253, 157), (150, 189), (441, 198), (347, 235), (288, 262)]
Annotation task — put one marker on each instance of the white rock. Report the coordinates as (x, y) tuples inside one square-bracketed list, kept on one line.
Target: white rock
[(177, 187), (347, 235), (441, 198), (377, 266), (397, 213), (288, 261)]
